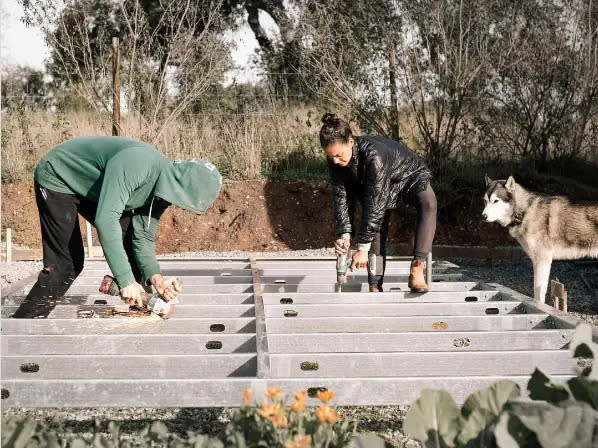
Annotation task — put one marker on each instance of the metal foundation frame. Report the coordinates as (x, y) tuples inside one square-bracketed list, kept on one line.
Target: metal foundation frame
[(263, 322)]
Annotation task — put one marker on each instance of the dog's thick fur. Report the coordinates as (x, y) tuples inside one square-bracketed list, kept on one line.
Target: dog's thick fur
[(547, 227)]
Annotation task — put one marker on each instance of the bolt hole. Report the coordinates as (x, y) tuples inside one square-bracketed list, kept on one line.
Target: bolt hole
[(286, 301), (438, 280), (471, 299), (396, 288), (280, 281), (290, 313), (100, 302), (217, 328), (5, 393), (491, 310), (214, 345), (309, 365), (30, 367), (313, 391)]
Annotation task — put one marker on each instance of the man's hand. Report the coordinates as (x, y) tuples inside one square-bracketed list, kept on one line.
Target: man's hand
[(342, 244), (132, 294), (166, 287), (360, 260)]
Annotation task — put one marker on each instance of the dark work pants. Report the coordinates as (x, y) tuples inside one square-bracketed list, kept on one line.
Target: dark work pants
[(425, 229), (63, 248)]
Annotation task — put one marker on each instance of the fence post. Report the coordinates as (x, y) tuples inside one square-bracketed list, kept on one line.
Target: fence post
[(394, 106), (89, 239), (115, 87), (9, 245)]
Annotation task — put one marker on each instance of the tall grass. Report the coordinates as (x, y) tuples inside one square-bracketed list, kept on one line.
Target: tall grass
[(266, 143)]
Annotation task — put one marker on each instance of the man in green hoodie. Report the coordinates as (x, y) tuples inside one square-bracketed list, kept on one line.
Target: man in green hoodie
[(122, 187)]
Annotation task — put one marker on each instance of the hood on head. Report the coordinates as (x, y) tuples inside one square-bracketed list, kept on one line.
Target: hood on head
[(192, 184)]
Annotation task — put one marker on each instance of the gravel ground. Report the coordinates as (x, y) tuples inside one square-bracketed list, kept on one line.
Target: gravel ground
[(580, 279)]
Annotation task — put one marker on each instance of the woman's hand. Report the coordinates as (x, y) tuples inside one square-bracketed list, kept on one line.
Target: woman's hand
[(167, 287), (341, 245), (132, 294), (360, 260)]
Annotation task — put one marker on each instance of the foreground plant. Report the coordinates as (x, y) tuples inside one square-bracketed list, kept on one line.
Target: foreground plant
[(557, 416), (278, 423)]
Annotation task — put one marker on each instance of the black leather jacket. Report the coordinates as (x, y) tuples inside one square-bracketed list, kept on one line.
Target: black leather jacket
[(380, 171)]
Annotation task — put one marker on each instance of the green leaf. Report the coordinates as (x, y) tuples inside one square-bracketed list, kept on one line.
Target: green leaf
[(571, 425), (368, 441), (540, 388), (584, 390), (434, 419), (583, 346), (483, 407), (511, 433), (22, 433)]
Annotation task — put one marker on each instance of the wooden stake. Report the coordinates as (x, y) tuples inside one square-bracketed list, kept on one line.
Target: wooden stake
[(9, 245), (88, 234)]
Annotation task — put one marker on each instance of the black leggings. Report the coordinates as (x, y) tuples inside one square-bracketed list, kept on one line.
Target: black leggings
[(425, 204), (63, 248)]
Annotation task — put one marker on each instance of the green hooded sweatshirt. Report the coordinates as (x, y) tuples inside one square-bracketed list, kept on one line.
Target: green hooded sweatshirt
[(123, 174)]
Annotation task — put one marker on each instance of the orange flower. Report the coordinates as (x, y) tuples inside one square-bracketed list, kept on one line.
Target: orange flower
[(325, 395), (300, 395), (246, 396), (298, 442), (275, 414), (297, 406), (327, 415), (272, 393)]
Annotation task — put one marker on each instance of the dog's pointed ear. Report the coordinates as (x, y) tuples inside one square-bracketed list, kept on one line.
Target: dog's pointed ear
[(510, 184), (487, 179)]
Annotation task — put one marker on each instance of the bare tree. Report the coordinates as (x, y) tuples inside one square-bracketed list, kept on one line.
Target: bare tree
[(168, 63)]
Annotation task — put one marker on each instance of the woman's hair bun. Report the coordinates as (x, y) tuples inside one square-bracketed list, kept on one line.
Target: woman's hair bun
[(330, 119)]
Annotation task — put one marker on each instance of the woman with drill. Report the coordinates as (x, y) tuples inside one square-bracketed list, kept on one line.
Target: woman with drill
[(378, 172)]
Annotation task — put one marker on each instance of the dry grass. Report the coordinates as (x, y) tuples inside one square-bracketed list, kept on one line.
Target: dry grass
[(254, 145)]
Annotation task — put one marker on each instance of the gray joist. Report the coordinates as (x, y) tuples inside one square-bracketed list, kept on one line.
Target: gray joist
[(464, 296), (127, 325), (421, 364), (187, 281), (185, 299), (129, 367), (391, 309), (198, 289), (419, 341), (227, 392), (389, 287), (510, 322), (182, 310), (183, 273), (131, 344), (330, 279)]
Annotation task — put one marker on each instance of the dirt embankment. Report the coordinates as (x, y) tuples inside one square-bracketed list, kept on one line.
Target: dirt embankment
[(263, 215)]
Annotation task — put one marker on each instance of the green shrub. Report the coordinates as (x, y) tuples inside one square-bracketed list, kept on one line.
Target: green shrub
[(558, 416)]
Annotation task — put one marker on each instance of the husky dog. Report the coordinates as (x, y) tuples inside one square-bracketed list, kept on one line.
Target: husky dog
[(547, 227)]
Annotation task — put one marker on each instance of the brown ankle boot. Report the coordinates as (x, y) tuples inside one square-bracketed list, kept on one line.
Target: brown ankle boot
[(417, 283), (374, 289)]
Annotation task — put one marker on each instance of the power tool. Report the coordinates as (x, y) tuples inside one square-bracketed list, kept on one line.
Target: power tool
[(152, 303), (342, 264)]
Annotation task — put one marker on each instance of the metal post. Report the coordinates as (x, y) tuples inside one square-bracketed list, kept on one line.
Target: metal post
[(8, 245), (89, 239), (429, 271), (115, 87)]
